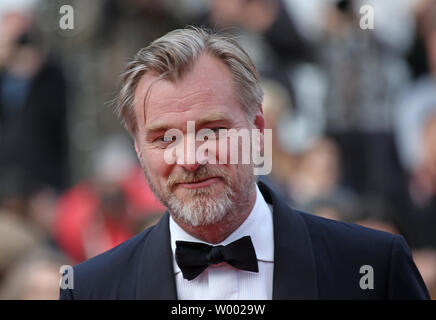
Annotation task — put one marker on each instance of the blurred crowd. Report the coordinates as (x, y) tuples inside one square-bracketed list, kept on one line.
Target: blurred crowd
[(353, 113)]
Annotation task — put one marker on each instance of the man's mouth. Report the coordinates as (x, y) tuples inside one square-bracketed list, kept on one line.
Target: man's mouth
[(200, 183)]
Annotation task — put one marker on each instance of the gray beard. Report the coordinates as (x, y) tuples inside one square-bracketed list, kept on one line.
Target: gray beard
[(204, 208)]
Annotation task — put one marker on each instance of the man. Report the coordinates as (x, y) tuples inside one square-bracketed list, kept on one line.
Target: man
[(224, 235)]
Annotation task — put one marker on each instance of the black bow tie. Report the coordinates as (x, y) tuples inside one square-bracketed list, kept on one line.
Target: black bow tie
[(194, 257)]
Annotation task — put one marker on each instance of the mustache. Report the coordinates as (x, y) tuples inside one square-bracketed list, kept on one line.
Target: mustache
[(202, 173)]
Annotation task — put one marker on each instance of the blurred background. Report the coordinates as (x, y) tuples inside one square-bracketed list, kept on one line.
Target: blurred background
[(353, 113)]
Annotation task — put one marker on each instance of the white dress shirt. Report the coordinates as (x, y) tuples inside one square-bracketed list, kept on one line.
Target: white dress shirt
[(222, 281)]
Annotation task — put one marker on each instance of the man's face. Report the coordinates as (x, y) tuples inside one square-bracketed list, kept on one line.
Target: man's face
[(196, 194)]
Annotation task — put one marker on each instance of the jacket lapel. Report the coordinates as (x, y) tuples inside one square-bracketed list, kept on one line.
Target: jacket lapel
[(155, 275), (294, 265)]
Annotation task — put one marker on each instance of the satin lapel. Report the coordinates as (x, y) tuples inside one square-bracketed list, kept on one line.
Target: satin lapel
[(155, 275), (294, 265)]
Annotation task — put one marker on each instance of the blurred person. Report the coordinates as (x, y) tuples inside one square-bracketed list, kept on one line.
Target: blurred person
[(17, 238), (318, 172), (424, 183), (420, 214), (415, 132), (33, 126), (419, 97), (267, 29), (99, 213), (28, 208), (120, 26), (318, 178), (19, 232), (225, 236), (277, 110), (269, 18), (416, 143), (34, 277), (365, 75), (294, 129), (88, 222)]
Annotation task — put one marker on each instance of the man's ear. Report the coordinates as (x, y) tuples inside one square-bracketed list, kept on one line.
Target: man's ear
[(259, 123), (138, 151), (259, 120)]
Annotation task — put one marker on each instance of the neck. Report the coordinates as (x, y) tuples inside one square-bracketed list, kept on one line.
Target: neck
[(217, 232)]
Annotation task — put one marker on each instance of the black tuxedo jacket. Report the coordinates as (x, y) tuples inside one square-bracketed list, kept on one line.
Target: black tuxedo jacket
[(314, 258)]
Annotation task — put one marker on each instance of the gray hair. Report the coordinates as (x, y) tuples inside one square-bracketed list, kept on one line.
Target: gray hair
[(172, 55)]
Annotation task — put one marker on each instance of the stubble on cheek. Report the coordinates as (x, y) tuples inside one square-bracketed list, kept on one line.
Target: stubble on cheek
[(155, 186)]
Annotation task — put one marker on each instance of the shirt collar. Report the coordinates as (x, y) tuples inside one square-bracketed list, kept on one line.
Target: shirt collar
[(258, 225)]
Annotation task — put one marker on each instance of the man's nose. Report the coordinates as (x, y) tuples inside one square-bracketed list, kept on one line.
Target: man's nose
[(191, 167), (190, 161)]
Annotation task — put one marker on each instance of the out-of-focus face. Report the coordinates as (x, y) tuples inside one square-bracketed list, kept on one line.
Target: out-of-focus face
[(431, 52), (197, 194), (429, 147), (42, 283)]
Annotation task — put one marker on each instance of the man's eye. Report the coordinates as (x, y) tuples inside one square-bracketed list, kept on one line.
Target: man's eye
[(217, 129), (216, 134), (220, 132), (165, 139)]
